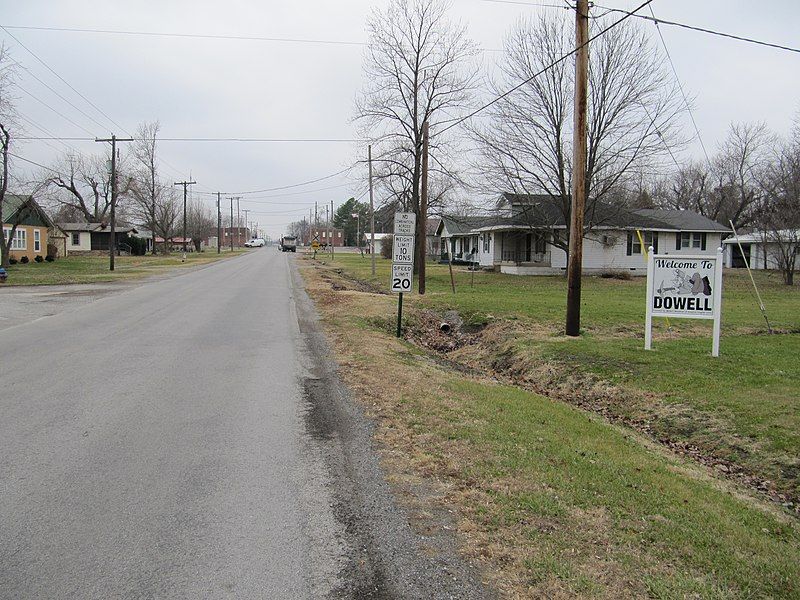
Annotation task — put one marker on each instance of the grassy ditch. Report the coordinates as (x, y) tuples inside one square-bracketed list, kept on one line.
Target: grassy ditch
[(739, 413), (554, 500), (94, 269)]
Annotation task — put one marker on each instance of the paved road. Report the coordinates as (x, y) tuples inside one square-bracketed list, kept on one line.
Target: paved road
[(168, 441)]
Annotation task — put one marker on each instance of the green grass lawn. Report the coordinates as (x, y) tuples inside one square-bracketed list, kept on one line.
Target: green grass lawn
[(93, 269), (554, 500), (742, 407)]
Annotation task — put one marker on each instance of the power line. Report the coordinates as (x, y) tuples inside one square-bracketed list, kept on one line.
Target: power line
[(219, 139), (546, 68), (27, 160), (294, 185), (57, 93), (680, 87), (36, 56), (207, 36), (70, 86), (702, 30), (541, 5), (173, 34), (60, 114)]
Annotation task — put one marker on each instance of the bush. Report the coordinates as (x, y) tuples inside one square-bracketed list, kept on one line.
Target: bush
[(39, 258), (24, 260), (49, 258), (12, 261), (623, 275), (386, 249)]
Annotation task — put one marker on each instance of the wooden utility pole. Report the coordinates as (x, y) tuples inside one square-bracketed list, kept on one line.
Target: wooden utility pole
[(231, 227), (422, 219), (575, 259), (219, 224), (246, 211), (331, 222), (184, 184), (112, 242), (371, 213), (238, 224)]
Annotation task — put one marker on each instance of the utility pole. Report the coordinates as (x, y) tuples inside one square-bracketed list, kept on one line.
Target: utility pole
[(575, 259), (328, 226), (246, 224), (219, 224), (112, 244), (331, 223), (231, 227), (422, 219), (371, 213), (238, 225), (185, 184)]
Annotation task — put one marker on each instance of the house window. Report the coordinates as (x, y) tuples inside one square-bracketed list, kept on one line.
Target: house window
[(37, 240), (691, 240), (539, 242), (486, 241), (635, 246), (76, 238), (20, 241), (324, 234)]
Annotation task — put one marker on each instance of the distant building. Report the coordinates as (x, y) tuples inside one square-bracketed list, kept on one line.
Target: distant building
[(239, 235), (323, 236)]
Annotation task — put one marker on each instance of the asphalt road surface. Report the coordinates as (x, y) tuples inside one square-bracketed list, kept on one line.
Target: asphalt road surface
[(188, 438)]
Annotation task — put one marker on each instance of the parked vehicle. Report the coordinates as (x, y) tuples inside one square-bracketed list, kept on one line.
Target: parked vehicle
[(288, 243), (255, 243)]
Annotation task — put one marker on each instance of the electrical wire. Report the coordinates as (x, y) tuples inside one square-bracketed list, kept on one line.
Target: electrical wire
[(293, 185), (173, 34), (205, 36), (27, 160), (69, 85), (218, 139), (680, 87), (541, 5), (59, 113), (546, 68), (702, 30)]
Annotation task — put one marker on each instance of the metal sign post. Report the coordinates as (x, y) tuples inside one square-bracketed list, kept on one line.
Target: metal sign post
[(684, 287), (402, 260)]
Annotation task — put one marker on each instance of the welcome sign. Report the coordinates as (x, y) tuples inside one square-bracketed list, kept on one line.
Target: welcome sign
[(684, 287)]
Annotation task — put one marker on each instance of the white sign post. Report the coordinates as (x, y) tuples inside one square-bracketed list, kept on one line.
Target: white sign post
[(684, 287), (402, 259)]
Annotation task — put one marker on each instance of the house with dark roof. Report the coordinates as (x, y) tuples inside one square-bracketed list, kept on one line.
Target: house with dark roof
[(87, 237), (29, 224), (526, 235)]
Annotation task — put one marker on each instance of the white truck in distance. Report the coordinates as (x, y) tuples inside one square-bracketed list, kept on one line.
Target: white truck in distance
[(288, 243)]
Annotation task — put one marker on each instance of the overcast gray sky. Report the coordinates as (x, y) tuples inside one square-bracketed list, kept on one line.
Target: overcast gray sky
[(281, 89)]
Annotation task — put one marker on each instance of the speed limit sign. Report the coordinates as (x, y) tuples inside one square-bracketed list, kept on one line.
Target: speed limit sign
[(402, 278)]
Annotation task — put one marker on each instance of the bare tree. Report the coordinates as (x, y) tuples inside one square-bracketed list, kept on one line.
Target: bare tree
[(526, 139), (168, 211), (8, 76), (418, 67), (739, 168), (147, 191), (81, 187), (201, 222), (778, 216), (727, 187)]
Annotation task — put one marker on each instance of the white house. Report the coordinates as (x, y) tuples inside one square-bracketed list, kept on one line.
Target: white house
[(527, 234), (762, 249)]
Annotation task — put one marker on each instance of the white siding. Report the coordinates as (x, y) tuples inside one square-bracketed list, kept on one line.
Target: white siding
[(84, 244)]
